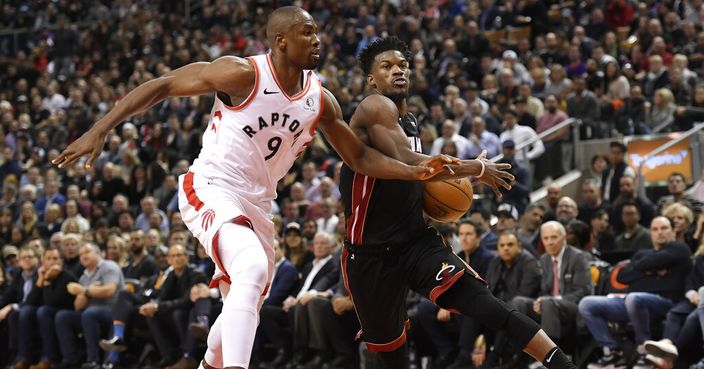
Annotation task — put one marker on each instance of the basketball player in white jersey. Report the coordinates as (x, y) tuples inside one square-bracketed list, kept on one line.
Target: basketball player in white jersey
[(266, 111)]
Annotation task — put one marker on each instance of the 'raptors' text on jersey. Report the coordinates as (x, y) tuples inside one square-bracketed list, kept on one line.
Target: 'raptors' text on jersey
[(251, 146)]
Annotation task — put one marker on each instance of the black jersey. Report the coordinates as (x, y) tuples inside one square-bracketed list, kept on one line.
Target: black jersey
[(379, 211)]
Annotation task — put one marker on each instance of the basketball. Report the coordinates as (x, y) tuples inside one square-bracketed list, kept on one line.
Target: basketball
[(447, 200)]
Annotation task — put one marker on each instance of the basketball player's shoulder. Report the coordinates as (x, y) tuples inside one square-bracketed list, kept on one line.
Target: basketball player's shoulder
[(233, 70), (377, 108)]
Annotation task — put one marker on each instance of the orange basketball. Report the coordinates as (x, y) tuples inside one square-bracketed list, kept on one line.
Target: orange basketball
[(447, 200)]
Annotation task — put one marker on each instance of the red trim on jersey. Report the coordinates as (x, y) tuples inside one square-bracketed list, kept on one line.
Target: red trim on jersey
[(362, 188), (343, 262), (225, 277), (191, 195), (439, 290), (298, 95), (393, 345), (252, 94), (320, 114)]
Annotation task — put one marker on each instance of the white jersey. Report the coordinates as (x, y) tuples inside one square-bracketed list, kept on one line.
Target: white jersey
[(248, 148)]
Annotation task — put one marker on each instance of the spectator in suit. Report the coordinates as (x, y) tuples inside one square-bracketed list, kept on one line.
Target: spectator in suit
[(51, 296), (514, 272), (656, 280), (18, 310), (95, 292), (283, 282), (51, 196), (167, 316), (318, 277), (629, 193), (611, 178), (566, 280), (481, 217)]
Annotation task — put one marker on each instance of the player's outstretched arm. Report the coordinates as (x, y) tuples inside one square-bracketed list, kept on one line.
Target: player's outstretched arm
[(366, 160), (378, 116), (229, 74)]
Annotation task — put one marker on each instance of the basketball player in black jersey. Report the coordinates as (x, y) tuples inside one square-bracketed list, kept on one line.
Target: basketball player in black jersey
[(389, 248)]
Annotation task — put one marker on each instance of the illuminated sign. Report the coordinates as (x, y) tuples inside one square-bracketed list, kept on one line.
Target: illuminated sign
[(677, 158)]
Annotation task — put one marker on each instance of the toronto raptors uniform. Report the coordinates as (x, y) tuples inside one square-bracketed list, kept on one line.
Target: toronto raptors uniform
[(246, 150)]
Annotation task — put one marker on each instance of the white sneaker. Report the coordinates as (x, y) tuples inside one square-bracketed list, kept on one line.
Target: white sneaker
[(661, 348)]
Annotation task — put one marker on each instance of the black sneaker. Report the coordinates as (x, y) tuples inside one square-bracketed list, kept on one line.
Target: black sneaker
[(611, 359)]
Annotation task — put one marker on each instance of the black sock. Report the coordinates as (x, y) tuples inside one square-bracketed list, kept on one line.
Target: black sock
[(556, 359)]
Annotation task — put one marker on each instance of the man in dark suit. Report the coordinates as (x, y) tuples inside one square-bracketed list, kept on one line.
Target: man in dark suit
[(560, 292), (318, 278), (20, 314), (282, 285)]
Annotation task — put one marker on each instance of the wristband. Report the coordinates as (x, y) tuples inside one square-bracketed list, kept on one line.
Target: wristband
[(483, 169)]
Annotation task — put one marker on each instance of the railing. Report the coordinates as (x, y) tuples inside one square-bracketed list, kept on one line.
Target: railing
[(680, 137), (573, 122)]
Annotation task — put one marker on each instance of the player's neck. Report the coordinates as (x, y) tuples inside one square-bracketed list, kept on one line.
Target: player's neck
[(289, 76)]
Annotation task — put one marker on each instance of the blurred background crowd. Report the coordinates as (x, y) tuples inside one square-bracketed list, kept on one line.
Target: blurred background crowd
[(99, 271)]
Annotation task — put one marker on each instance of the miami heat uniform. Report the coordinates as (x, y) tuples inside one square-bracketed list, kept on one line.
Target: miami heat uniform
[(389, 248), (246, 150)]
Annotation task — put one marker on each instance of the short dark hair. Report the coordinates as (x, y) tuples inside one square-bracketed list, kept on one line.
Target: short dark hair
[(619, 145), (374, 48), (477, 227), (677, 174)]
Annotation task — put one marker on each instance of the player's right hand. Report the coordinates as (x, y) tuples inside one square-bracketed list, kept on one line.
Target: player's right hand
[(431, 167), (495, 174), (91, 143)]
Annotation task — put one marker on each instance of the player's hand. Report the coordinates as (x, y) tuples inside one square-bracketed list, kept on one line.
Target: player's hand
[(91, 143), (443, 315), (495, 174), (436, 164), (342, 304)]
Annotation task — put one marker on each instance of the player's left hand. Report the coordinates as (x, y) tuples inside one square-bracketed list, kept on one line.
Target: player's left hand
[(434, 165), (495, 174)]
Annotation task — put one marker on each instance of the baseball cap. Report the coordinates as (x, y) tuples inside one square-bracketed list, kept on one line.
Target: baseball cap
[(509, 144), (293, 226), (9, 250), (507, 209)]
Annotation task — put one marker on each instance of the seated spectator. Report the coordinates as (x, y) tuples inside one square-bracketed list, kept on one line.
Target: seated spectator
[(72, 212), (51, 297), (51, 196), (676, 186), (148, 205), (449, 133), (328, 221), (682, 220), (521, 135), (529, 225), (295, 247), (655, 278), (560, 292), (481, 218), (140, 265), (319, 276), (602, 236), (514, 272), (552, 199), (660, 115), (519, 194), (629, 193), (19, 310), (567, 210), (95, 292), (480, 139), (167, 316), (591, 200), (611, 179), (583, 104), (683, 325), (633, 238)]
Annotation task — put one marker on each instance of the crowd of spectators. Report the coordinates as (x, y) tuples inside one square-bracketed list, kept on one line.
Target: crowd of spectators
[(99, 271)]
